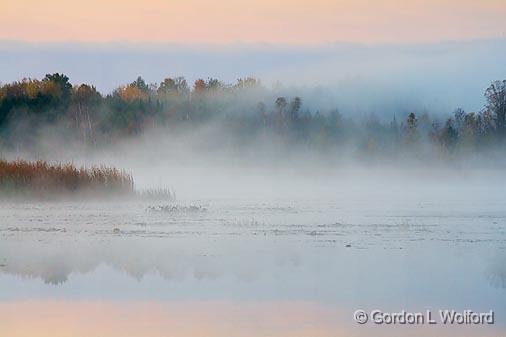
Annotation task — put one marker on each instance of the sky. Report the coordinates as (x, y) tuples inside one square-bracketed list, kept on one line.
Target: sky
[(370, 55), (438, 77), (251, 21)]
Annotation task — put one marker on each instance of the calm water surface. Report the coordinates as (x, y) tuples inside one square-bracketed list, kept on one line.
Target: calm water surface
[(249, 267)]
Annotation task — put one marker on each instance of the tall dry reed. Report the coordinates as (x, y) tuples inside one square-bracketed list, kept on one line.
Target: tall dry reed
[(40, 178)]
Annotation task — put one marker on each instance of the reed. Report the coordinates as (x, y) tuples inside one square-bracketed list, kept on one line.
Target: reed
[(43, 179), (157, 194)]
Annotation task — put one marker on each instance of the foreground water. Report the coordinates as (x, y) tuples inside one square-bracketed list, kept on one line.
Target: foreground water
[(251, 267)]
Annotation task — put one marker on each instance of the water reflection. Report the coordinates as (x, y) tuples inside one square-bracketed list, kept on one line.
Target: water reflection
[(497, 271), (282, 269)]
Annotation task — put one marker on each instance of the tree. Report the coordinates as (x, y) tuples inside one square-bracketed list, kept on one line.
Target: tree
[(140, 84), (247, 83), (459, 115), (199, 86), (449, 135), (411, 121), (470, 127), (58, 89), (214, 85), (262, 112), (181, 85), (496, 104), (135, 92), (294, 108), (131, 93), (168, 86), (84, 99), (61, 82), (394, 126), (281, 104), (411, 128), (86, 94)]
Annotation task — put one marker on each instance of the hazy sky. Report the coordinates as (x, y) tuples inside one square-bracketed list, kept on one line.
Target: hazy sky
[(273, 21), (435, 76)]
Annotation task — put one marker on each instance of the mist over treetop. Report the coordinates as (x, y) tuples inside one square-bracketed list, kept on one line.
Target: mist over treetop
[(238, 115)]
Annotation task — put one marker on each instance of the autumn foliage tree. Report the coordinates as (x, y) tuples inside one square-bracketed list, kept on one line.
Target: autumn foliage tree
[(82, 111)]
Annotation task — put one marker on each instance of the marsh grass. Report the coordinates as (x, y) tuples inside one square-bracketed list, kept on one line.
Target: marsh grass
[(40, 179), (157, 194)]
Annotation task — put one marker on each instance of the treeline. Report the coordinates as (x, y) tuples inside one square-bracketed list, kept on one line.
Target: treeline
[(246, 109)]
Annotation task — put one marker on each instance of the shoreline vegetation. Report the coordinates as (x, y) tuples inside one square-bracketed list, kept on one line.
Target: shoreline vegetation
[(43, 180), (245, 112)]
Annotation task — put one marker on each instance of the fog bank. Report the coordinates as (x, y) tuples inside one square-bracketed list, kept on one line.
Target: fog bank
[(437, 76)]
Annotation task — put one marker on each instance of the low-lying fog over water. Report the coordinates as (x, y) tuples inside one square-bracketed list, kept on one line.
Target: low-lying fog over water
[(250, 249), (236, 209)]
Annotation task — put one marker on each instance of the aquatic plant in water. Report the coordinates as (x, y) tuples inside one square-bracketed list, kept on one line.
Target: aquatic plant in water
[(41, 179)]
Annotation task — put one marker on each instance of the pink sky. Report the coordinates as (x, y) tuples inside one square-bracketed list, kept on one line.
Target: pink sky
[(225, 21)]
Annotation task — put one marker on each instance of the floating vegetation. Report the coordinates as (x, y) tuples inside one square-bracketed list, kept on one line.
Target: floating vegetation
[(177, 209)]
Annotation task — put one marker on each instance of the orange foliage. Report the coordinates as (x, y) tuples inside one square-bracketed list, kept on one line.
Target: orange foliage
[(131, 93), (199, 86)]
